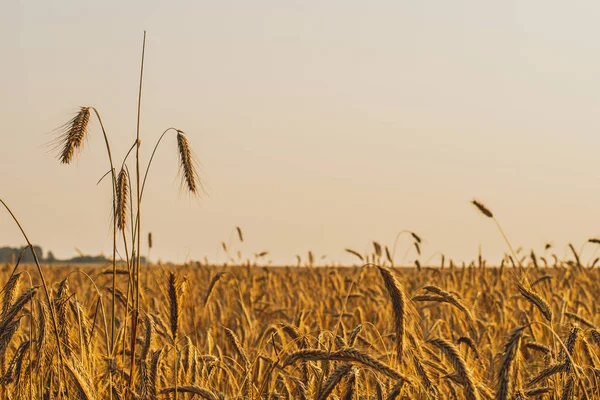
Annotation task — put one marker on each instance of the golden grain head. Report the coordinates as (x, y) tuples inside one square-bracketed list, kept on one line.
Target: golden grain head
[(121, 200), (73, 135), (187, 164)]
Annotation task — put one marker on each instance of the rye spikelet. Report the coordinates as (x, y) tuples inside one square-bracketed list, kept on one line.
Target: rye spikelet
[(73, 136), (187, 163)]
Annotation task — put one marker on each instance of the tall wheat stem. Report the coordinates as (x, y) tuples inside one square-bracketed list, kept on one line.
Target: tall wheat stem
[(114, 254), (138, 222), (508, 243)]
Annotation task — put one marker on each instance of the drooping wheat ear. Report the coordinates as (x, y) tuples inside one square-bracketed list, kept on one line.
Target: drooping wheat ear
[(73, 136), (148, 336), (187, 353), (10, 292), (595, 335), (453, 355), (536, 300), (122, 195), (378, 390), (419, 369), (538, 391), (187, 163), (235, 342), (153, 375), (353, 335), (355, 253), (452, 299), (42, 326), (481, 207), (540, 280), (14, 363), (580, 319), (551, 370), (336, 376), (350, 389), (19, 303), (542, 348), (470, 344), (193, 390), (349, 355), (396, 389), (398, 297), (568, 389), (570, 345), (211, 286), (21, 373), (509, 365), (80, 380), (7, 333)]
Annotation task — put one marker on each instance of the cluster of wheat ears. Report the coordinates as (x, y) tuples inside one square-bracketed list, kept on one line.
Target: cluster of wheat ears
[(520, 330)]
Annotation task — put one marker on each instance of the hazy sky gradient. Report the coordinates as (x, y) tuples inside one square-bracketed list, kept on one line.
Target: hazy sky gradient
[(319, 124)]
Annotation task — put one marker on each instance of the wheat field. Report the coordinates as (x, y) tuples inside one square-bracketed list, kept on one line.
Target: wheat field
[(252, 332), (526, 328)]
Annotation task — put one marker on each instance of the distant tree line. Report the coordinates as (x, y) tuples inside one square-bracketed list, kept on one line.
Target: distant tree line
[(12, 254)]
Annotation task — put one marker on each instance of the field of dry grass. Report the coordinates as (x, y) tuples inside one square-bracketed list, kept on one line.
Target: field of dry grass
[(225, 332)]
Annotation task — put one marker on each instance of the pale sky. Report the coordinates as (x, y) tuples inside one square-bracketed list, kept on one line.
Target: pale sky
[(319, 124)]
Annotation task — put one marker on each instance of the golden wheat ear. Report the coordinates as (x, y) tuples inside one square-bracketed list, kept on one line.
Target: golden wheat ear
[(187, 164), (122, 193), (73, 135)]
